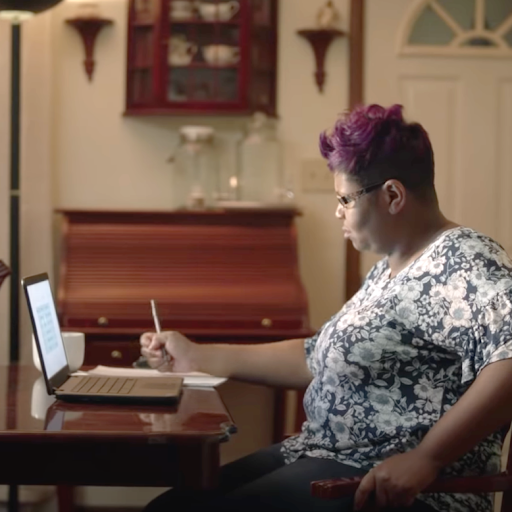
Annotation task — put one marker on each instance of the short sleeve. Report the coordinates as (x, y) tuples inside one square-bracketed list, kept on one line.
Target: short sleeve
[(493, 340)]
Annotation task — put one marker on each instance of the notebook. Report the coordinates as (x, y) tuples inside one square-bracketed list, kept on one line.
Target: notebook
[(54, 364)]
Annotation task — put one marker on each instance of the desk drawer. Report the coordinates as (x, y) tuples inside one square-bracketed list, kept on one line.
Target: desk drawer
[(111, 353)]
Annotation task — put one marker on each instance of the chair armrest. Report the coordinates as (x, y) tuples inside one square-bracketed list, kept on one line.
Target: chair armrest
[(342, 487)]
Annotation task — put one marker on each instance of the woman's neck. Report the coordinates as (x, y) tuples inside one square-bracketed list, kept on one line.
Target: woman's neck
[(416, 236)]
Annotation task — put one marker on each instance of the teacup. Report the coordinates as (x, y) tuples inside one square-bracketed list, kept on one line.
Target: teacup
[(223, 11), (180, 51), (74, 346), (180, 60), (221, 54), (181, 10)]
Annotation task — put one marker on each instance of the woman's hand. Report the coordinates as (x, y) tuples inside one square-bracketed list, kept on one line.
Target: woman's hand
[(182, 354), (398, 480)]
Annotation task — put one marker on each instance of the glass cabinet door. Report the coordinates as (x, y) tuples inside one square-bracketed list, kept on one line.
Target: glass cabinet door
[(263, 51), (204, 54), (143, 30)]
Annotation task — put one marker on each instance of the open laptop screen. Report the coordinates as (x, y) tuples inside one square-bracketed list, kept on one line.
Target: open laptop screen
[(47, 327)]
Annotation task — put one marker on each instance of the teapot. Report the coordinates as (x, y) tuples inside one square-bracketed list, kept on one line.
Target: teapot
[(180, 51)]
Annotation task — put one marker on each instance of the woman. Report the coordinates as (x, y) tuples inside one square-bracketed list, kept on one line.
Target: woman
[(412, 378)]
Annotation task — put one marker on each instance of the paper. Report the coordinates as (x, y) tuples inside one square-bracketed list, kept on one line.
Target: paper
[(195, 379)]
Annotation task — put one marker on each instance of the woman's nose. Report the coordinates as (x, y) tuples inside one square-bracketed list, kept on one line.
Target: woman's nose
[(340, 212)]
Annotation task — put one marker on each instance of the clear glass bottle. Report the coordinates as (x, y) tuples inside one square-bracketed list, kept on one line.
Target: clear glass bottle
[(260, 176), (195, 176)]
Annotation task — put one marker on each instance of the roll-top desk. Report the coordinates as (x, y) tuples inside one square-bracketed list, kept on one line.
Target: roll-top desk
[(227, 275)]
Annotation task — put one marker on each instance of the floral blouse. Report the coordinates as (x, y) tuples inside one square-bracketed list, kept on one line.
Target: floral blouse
[(402, 351)]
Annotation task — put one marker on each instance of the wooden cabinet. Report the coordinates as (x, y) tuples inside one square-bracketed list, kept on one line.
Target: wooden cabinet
[(204, 57), (218, 275), (221, 275)]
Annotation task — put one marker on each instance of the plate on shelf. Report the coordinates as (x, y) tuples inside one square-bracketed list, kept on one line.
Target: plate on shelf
[(182, 16)]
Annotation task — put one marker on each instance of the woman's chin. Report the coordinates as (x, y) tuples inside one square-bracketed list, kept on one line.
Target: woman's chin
[(358, 246), (355, 244)]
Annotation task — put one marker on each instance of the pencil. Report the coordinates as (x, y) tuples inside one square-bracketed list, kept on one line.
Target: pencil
[(158, 329)]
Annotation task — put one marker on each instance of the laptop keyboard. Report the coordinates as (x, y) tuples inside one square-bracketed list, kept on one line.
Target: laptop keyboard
[(104, 385)]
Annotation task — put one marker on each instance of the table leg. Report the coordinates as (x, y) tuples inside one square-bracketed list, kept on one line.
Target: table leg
[(65, 498), (13, 498), (278, 433)]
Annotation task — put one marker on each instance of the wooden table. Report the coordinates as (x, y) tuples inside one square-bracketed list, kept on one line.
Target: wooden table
[(107, 445)]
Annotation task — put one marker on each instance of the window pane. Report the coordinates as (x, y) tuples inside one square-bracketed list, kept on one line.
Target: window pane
[(142, 52), (497, 11), (430, 29), (479, 41), (262, 11), (508, 38), (228, 85), (178, 84), (203, 85), (145, 10), (140, 86), (462, 11)]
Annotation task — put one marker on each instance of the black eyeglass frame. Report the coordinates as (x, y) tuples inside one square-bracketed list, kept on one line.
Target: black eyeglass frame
[(353, 196)]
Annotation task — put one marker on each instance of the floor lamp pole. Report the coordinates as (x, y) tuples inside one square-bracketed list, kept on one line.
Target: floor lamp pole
[(14, 331), (15, 192)]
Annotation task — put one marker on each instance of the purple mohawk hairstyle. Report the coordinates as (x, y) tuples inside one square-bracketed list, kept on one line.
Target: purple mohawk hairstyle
[(372, 142)]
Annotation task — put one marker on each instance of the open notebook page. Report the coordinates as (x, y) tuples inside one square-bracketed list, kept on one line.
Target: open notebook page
[(197, 379)]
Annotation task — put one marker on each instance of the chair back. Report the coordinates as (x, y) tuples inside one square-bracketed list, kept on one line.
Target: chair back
[(4, 272), (506, 500)]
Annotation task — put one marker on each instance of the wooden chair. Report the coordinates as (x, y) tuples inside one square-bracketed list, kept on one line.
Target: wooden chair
[(4, 271), (502, 482)]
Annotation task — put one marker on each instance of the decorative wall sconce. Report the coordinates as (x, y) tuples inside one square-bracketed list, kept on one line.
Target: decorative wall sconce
[(321, 37), (320, 40), (89, 24)]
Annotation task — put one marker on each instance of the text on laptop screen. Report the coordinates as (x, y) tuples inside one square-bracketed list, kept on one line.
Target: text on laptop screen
[(47, 325)]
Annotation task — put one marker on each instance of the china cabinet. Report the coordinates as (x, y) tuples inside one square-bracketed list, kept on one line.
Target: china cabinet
[(201, 57)]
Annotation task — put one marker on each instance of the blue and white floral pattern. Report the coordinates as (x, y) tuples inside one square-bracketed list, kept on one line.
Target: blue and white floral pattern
[(402, 351)]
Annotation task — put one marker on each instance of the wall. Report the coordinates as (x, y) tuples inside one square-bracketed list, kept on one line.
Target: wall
[(105, 160), (79, 151)]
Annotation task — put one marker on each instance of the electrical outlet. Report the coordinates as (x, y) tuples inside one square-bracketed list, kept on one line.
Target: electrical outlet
[(316, 176)]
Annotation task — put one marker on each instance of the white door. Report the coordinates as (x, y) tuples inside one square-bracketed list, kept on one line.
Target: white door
[(449, 62)]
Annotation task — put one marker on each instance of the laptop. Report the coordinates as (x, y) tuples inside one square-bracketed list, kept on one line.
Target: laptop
[(73, 388)]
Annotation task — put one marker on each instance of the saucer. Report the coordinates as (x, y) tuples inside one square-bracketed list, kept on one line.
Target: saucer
[(181, 16)]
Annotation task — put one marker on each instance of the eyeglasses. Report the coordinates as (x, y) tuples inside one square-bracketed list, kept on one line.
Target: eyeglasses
[(349, 200)]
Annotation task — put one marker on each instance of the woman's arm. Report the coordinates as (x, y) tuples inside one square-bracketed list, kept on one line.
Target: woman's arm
[(275, 364), (282, 363), (484, 408)]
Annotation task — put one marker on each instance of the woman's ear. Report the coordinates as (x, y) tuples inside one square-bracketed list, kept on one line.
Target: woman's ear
[(395, 194)]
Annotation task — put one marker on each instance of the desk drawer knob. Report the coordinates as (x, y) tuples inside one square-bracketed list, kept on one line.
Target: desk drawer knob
[(266, 322), (102, 320), (116, 354)]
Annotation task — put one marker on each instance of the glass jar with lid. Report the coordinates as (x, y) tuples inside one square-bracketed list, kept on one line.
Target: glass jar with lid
[(195, 176), (260, 176)]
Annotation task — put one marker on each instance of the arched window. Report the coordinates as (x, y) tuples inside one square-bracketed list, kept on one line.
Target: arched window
[(456, 28)]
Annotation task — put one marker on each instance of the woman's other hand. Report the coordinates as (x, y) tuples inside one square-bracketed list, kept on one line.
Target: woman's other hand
[(397, 481), (169, 351)]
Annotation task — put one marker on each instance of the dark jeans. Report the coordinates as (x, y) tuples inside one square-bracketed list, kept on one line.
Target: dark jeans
[(262, 482)]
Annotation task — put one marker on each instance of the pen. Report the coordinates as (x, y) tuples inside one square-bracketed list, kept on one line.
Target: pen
[(158, 329)]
